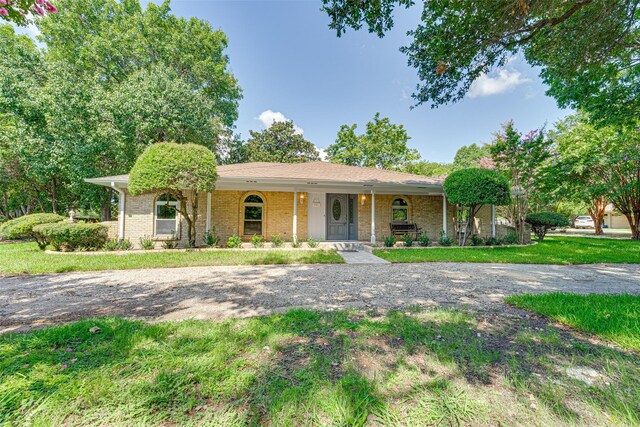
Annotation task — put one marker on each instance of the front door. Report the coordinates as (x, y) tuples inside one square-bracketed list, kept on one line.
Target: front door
[(337, 217)]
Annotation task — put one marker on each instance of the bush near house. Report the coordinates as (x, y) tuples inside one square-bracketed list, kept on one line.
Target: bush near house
[(64, 236), (541, 222), (22, 227)]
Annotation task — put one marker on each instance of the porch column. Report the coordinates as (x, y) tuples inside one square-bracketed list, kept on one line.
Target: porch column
[(373, 217), (121, 204), (493, 221), (294, 236), (444, 214), (208, 216)]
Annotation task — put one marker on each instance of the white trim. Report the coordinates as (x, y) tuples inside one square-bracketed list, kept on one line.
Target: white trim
[(373, 217), (444, 214), (294, 235), (493, 221), (208, 216), (121, 210)]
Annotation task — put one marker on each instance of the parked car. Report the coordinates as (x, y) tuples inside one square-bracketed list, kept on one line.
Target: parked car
[(584, 221)]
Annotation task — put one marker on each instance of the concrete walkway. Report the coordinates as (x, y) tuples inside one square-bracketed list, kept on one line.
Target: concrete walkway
[(361, 257), (241, 291)]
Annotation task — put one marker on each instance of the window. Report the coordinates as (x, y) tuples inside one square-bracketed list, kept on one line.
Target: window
[(399, 210), (253, 206), (166, 215)]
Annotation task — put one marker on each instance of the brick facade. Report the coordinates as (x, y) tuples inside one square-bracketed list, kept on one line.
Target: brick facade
[(227, 216)]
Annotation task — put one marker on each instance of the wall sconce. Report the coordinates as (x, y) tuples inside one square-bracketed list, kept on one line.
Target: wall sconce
[(302, 198), (363, 199)]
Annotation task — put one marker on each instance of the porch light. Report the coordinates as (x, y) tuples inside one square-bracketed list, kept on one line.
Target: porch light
[(363, 199), (302, 198)]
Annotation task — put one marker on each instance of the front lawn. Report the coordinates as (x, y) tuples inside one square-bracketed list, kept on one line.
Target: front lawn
[(19, 258), (553, 250), (610, 317), (434, 367)]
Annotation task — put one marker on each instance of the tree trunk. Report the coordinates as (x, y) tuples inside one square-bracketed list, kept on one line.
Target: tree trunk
[(596, 211), (634, 224), (194, 218)]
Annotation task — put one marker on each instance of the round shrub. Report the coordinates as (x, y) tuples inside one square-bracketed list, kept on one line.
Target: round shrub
[(476, 187), (542, 221), (65, 236), (22, 227)]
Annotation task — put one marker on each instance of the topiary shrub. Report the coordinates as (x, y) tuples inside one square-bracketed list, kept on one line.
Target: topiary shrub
[(22, 227), (65, 236), (473, 188), (541, 222)]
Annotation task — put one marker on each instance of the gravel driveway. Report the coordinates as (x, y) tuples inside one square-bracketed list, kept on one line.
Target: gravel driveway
[(223, 292)]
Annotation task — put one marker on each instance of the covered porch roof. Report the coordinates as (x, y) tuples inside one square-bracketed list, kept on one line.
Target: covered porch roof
[(310, 176)]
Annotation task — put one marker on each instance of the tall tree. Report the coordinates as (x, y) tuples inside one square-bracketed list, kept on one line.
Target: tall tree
[(469, 156), (587, 50), (521, 158), (280, 143), (21, 12), (382, 146), (427, 168)]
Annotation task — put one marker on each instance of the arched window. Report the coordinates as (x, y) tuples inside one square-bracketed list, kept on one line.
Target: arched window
[(253, 214), (399, 210), (166, 215)]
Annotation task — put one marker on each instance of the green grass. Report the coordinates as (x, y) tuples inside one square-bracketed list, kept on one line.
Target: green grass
[(422, 367), (553, 250), (18, 258), (610, 317)]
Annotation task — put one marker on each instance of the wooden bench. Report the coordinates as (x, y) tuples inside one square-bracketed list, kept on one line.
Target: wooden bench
[(402, 228)]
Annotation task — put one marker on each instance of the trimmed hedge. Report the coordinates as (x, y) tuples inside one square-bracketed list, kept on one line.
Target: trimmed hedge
[(22, 227), (65, 236), (542, 221)]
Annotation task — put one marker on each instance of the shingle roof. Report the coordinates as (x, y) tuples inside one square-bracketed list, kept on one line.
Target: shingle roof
[(310, 171), (321, 171)]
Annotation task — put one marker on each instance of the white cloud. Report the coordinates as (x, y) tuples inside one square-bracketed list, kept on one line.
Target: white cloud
[(323, 154), (503, 81), (269, 117)]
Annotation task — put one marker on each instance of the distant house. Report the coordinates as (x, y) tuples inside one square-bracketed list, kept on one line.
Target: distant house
[(612, 219), (322, 200)]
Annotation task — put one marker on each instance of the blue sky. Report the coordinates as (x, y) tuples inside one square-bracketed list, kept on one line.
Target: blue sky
[(289, 62)]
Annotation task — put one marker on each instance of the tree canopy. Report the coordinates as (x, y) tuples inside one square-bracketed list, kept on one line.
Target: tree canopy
[(383, 146), (587, 49), (21, 12), (279, 143), (111, 79), (181, 170)]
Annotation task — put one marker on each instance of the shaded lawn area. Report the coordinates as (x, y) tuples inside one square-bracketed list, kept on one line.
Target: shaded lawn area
[(434, 367), (553, 250), (611, 317), (17, 258)]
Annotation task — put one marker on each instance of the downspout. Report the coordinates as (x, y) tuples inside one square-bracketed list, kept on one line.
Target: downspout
[(121, 204)]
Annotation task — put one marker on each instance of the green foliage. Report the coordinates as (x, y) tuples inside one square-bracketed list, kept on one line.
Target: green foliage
[(211, 238), (312, 243), (469, 156), (511, 238), (477, 187), (170, 168), (110, 79), (169, 244), (426, 168), (586, 49), (277, 241), (280, 143), (476, 240), (111, 244), (424, 240), (407, 239), (296, 243), (445, 240), (542, 221), (492, 241), (383, 146), (389, 241), (22, 227), (65, 236), (147, 243), (257, 241), (234, 241)]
